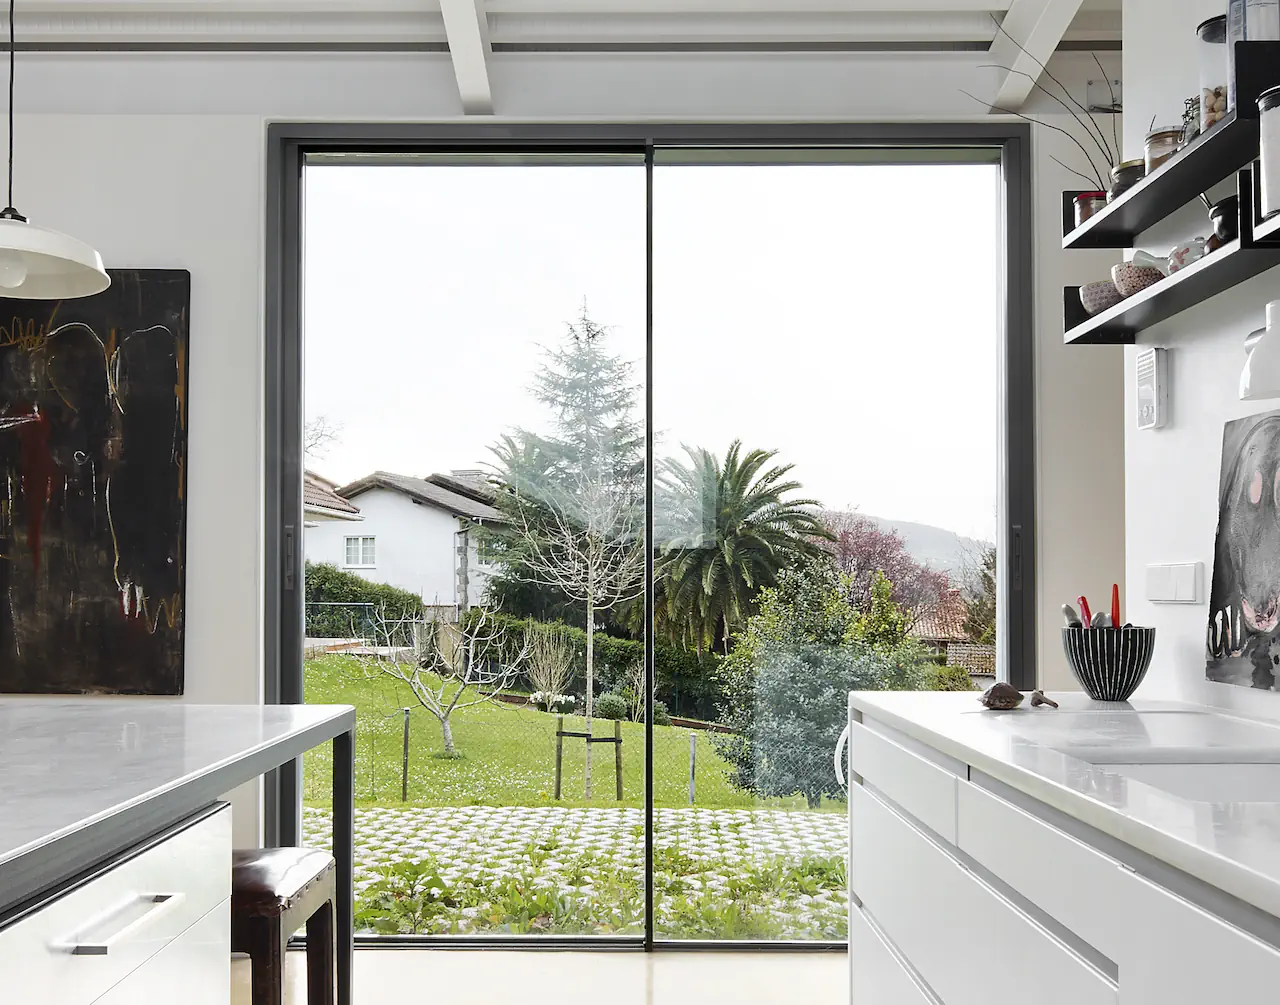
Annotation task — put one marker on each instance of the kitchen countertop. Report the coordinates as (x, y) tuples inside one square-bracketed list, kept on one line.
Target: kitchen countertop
[(82, 779), (1234, 846)]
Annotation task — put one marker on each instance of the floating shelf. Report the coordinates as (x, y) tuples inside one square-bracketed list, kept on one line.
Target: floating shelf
[(1229, 266), (1268, 231)]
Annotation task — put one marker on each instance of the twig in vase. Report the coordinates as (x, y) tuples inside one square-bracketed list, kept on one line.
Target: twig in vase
[(1078, 174), (1098, 140), (1048, 125)]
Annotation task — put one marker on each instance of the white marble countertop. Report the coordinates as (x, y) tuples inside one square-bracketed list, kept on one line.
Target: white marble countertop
[(1061, 759), (77, 775)]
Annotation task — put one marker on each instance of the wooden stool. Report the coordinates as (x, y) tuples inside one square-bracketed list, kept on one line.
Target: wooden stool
[(274, 891)]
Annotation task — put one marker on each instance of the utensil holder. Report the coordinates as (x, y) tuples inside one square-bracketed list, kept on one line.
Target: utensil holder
[(1109, 663)]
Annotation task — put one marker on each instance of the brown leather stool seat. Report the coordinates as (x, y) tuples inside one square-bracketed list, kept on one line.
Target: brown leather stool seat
[(274, 892)]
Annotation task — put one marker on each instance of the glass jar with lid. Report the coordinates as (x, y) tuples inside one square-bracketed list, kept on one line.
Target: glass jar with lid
[(1124, 176), (1162, 144), (1214, 71), (1269, 147)]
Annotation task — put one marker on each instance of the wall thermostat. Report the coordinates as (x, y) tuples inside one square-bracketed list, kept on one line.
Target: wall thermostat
[(1153, 387)]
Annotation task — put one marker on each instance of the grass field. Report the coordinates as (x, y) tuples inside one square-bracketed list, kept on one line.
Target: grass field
[(507, 754)]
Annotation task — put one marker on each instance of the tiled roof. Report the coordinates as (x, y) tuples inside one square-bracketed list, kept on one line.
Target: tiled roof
[(472, 487), (423, 491), (973, 658), (945, 622), (316, 495)]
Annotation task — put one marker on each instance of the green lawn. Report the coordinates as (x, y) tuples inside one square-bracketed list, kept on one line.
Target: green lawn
[(507, 754)]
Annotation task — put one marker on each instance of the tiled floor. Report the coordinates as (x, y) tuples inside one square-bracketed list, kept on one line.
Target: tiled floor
[(483, 977)]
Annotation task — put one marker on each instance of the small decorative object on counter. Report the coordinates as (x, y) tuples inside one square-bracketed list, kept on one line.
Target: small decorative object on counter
[(1124, 176), (1162, 144), (1269, 108), (1225, 217), (1130, 279), (1039, 698), (1110, 663), (1214, 71), (1002, 696), (1098, 297), (1088, 203)]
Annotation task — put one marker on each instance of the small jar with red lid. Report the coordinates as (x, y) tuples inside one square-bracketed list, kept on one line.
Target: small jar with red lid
[(1088, 203)]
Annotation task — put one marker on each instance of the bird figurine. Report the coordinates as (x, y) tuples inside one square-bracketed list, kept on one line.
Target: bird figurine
[(1002, 697), (1040, 698)]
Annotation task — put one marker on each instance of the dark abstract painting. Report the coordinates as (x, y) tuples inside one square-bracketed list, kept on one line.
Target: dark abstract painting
[(1244, 600), (93, 455)]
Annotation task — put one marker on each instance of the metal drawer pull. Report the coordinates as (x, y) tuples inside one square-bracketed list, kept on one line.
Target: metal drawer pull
[(160, 904)]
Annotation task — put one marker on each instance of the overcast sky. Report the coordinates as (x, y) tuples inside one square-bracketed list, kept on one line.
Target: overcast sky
[(844, 315)]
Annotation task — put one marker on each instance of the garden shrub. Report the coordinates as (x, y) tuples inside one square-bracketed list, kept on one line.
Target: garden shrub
[(661, 717), (611, 706), (326, 584), (948, 678)]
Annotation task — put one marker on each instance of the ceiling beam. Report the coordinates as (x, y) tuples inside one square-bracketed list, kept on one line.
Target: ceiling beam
[(1032, 31), (466, 25)]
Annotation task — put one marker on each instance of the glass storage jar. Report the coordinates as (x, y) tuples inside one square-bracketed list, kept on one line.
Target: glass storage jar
[(1162, 144), (1269, 169), (1214, 72), (1088, 203), (1124, 176)]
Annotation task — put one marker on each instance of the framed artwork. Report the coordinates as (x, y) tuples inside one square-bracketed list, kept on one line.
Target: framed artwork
[(93, 463)]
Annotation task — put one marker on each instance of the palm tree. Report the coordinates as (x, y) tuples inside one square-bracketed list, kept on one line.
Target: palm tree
[(727, 529)]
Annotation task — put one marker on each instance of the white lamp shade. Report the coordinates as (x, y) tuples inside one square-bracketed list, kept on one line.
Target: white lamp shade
[(57, 267), (1261, 376)]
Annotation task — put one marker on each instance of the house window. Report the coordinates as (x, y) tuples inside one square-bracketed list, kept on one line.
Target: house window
[(360, 553), (489, 550)]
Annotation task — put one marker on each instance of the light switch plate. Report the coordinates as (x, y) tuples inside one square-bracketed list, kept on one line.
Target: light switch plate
[(1175, 584)]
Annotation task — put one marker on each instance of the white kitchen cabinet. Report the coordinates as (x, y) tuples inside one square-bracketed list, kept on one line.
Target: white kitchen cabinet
[(877, 976), (921, 786), (930, 906), (85, 941), (1180, 954), (194, 968)]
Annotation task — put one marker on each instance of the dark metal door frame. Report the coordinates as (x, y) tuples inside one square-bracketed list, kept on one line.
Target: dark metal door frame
[(289, 145)]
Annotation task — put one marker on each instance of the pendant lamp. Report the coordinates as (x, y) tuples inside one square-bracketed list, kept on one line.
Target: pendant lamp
[(40, 264)]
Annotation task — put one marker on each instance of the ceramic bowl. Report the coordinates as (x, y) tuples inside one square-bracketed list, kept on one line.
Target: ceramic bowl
[(1130, 279), (1109, 662), (1097, 297)]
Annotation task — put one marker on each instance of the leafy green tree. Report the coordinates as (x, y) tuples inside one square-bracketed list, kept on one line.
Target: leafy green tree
[(883, 624), (980, 598), (729, 528), (788, 678), (573, 496)]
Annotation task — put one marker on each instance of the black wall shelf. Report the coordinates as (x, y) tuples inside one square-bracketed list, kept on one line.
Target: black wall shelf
[(1210, 159), (1268, 232), (1229, 266)]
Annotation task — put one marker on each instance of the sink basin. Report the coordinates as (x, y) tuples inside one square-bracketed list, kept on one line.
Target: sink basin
[(1126, 736), (1208, 783)]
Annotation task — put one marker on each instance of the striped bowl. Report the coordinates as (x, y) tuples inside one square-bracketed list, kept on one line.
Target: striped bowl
[(1109, 662)]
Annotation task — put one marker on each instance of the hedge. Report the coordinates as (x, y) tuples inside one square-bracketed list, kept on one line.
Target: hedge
[(326, 584)]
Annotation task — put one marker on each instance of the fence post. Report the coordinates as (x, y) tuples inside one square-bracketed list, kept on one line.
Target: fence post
[(559, 751), (404, 768), (693, 763), (617, 753)]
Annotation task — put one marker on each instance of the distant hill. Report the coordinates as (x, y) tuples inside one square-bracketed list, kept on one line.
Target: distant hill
[(934, 546)]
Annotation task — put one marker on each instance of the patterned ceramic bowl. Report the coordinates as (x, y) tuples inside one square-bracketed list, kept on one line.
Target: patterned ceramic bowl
[(1109, 662), (1130, 279), (1098, 297)]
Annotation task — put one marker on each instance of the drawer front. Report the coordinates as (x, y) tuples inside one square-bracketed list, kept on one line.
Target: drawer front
[(195, 968), (878, 977), (1179, 954), (83, 943), (967, 942), (925, 790), (1062, 876)]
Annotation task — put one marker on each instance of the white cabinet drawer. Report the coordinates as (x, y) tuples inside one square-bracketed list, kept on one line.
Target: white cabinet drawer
[(195, 968), (877, 976), (1064, 877), (968, 943), (1179, 954), (924, 789), (76, 947)]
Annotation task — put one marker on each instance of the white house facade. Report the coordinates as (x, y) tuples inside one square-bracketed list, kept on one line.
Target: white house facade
[(419, 534)]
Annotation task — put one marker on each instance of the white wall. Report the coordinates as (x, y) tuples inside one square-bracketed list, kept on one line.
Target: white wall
[(158, 160), (415, 546), (1172, 474)]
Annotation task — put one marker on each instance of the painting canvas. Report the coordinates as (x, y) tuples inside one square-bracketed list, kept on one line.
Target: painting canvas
[(93, 460), (1244, 600)]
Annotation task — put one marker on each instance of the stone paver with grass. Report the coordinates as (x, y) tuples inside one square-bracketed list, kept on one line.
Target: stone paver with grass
[(719, 873)]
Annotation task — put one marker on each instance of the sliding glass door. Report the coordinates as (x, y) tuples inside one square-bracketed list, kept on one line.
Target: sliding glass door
[(622, 465)]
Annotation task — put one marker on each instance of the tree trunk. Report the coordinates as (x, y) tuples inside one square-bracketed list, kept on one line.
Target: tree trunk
[(447, 730), (591, 684)]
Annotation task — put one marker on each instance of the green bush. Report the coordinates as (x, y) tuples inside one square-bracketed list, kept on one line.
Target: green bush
[(947, 678), (341, 604), (611, 706), (661, 717)]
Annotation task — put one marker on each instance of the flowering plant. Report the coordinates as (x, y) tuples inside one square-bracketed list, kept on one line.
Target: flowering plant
[(548, 702)]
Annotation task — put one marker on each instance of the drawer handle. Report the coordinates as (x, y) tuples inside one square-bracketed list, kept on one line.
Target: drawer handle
[(161, 904), (840, 745)]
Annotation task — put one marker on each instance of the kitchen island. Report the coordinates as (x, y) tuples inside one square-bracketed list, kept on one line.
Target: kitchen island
[(1104, 853), (89, 788)]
